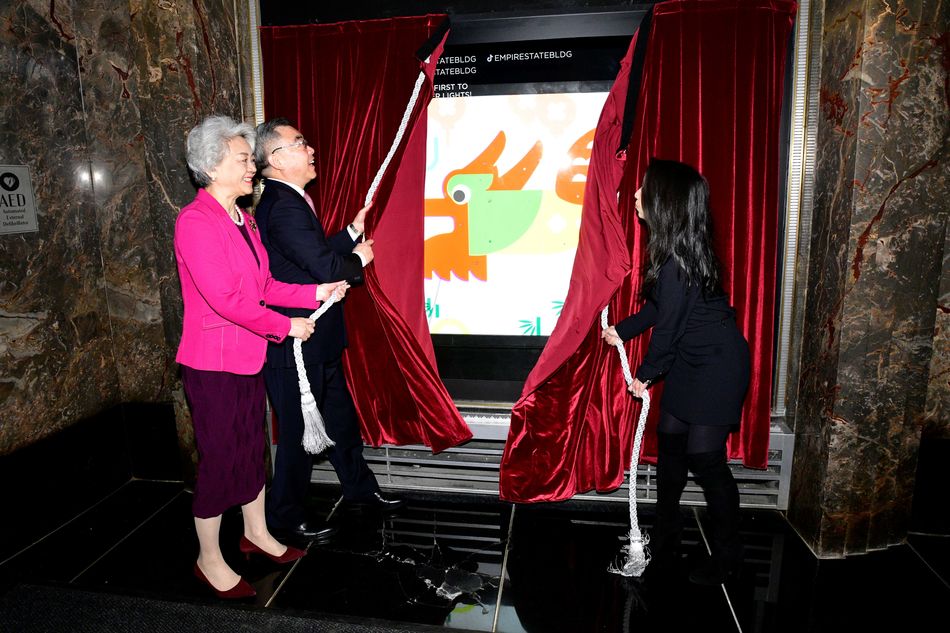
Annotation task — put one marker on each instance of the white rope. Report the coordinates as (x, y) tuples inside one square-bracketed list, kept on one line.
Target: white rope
[(399, 134), (637, 556), (315, 438)]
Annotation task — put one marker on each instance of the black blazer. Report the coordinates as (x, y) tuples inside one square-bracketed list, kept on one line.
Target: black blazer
[(301, 253), (696, 347)]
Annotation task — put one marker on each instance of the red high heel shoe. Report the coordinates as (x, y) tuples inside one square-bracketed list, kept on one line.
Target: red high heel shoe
[(242, 589), (292, 553)]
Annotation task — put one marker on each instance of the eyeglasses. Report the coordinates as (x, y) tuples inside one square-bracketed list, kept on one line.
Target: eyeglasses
[(301, 142)]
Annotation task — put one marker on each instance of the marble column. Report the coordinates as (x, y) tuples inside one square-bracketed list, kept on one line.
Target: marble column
[(878, 235), (187, 62)]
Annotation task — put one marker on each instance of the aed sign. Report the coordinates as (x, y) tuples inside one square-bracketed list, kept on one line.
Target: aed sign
[(17, 206)]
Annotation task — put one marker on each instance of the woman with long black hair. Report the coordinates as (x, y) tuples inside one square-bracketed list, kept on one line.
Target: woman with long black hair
[(697, 349)]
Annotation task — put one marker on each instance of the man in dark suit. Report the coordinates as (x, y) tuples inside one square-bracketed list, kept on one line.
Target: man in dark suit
[(301, 252)]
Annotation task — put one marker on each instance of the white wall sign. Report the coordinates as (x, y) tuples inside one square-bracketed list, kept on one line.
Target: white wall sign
[(17, 205)]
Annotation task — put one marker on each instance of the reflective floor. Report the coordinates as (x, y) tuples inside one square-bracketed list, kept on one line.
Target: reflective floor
[(470, 563)]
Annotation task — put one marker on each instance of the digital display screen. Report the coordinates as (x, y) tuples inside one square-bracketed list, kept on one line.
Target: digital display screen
[(508, 145), (505, 179)]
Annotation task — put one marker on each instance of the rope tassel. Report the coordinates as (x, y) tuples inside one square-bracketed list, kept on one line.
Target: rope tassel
[(315, 438), (635, 552)]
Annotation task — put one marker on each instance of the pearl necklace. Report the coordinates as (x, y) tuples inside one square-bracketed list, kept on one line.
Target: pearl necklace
[(240, 217)]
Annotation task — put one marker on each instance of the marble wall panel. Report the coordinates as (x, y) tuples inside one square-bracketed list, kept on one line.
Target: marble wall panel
[(878, 234), (90, 308), (186, 68), (132, 263), (56, 351), (936, 420)]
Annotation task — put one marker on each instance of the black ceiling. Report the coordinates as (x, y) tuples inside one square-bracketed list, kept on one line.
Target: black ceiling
[(283, 12)]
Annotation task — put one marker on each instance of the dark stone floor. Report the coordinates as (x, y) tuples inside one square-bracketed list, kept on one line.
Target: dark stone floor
[(453, 561)]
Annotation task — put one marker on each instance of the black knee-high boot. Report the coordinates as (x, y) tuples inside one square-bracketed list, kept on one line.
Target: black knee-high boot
[(671, 475), (722, 507)]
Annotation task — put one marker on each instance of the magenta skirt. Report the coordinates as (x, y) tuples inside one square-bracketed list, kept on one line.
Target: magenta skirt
[(227, 411)]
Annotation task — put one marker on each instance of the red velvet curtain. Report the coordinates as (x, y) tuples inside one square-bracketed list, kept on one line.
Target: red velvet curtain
[(346, 86), (710, 95)]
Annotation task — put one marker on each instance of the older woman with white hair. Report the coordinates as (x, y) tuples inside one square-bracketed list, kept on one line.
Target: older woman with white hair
[(226, 287)]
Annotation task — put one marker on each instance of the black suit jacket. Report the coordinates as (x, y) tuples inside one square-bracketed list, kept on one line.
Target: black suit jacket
[(301, 253)]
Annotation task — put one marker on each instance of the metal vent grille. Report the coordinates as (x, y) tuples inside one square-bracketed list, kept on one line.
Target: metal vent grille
[(473, 468)]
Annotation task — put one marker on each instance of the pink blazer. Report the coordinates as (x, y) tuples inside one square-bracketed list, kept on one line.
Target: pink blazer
[(225, 291)]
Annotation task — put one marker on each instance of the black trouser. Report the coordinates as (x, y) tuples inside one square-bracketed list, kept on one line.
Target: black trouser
[(684, 447), (293, 465)]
